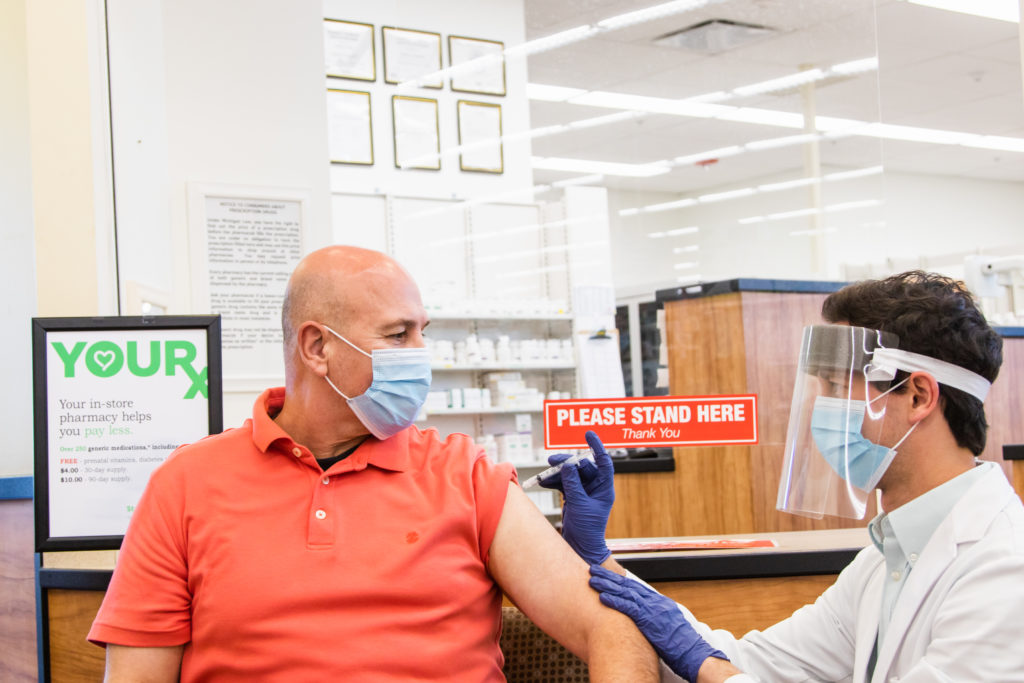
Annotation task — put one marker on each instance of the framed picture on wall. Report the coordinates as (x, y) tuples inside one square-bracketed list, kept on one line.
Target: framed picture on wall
[(349, 50), (478, 66), (113, 397), (412, 57), (480, 137), (349, 127), (417, 133)]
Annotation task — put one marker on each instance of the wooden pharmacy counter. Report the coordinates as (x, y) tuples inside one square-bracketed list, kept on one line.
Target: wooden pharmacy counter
[(743, 589), (743, 337), (733, 589)]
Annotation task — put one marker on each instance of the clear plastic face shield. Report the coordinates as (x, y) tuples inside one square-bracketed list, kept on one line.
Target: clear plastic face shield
[(833, 459)]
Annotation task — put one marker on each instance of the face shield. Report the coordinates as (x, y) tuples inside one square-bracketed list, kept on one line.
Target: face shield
[(833, 459)]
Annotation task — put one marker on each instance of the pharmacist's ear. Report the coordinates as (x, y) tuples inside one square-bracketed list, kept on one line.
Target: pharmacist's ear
[(923, 394), (310, 347)]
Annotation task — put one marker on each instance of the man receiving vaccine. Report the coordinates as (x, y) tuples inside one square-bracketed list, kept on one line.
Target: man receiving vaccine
[(329, 539)]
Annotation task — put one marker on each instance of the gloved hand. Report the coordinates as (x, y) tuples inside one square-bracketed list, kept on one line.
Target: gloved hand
[(658, 618), (589, 492)]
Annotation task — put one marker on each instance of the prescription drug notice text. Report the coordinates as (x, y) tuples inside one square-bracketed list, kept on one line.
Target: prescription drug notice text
[(652, 421)]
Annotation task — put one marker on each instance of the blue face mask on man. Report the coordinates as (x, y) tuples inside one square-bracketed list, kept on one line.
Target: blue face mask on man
[(401, 380), (836, 425)]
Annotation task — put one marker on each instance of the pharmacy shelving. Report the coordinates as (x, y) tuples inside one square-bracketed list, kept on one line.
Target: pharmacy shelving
[(511, 366), (482, 411)]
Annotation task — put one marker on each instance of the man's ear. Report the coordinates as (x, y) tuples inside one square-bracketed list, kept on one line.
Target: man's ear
[(309, 341), (923, 391)]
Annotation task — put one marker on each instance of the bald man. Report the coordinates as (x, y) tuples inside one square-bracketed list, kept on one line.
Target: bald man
[(328, 539)]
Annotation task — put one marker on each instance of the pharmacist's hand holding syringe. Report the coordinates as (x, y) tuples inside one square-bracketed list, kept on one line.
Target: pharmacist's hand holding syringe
[(589, 479)]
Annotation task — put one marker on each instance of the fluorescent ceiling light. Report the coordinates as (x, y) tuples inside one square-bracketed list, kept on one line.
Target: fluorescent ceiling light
[(857, 66), (856, 173), (766, 117), (747, 191), (719, 153), (551, 93), (811, 232), (1004, 10), (603, 120), (646, 14), (602, 167), (555, 40), (686, 249), (685, 265), (786, 141), (796, 213), (729, 194), (783, 83), (674, 233), (788, 184), (580, 180), (668, 206)]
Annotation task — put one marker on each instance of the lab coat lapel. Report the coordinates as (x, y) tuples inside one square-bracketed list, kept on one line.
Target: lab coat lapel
[(867, 621), (966, 522)]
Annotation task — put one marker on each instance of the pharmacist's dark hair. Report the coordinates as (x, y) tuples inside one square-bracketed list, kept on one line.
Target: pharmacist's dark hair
[(935, 316)]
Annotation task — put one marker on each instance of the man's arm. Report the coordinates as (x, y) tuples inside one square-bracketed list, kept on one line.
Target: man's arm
[(548, 582), (143, 664)]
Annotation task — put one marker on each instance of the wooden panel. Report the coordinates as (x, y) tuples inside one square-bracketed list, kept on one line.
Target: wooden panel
[(704, 338), (1004, 410), (72, 658), (17, 592), (740, 605), (773, 324)]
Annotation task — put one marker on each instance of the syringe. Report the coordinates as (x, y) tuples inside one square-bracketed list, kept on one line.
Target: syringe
[(555, 469)]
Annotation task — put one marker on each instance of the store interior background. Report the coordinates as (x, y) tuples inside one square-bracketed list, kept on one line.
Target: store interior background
[(115, 112), (100, 155)]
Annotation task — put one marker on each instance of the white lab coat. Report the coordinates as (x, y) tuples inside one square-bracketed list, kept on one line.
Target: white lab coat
[(959, 616)]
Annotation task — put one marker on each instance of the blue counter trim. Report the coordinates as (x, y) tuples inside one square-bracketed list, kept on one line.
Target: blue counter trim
[(1010, 331), (748, 285), (15, 488)]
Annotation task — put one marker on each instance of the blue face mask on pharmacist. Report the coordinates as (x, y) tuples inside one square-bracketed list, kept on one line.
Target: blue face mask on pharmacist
[(401, 380), (836, 428)]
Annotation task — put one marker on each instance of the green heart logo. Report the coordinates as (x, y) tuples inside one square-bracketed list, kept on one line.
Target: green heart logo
[(104, 359)]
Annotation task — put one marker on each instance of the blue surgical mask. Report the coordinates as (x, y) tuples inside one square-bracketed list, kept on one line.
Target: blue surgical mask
[(401, 380), (836, 428)]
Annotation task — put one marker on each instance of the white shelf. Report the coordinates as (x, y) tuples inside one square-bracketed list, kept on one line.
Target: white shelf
[(545, 365), (482, 411), (442, 315)]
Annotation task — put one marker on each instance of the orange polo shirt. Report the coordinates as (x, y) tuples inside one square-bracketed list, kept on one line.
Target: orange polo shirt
[(268, 568)]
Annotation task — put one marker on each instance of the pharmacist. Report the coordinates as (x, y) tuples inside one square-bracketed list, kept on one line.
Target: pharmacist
[(888, 397)]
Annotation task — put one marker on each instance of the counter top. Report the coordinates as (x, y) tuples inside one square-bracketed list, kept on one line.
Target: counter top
[(797, 553), (747, 284)]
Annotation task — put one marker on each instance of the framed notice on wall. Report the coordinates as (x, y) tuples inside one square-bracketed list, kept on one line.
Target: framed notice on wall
[(478, 66), (349, 50), (412, 56), (113, 397)]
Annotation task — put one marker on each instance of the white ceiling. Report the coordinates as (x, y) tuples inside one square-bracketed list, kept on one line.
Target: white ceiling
[(937, 69)]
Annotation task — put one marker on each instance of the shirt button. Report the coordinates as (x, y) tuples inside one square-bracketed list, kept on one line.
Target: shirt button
[(913, 558), (296, 452), (320, 514), (895, 576), (325, 480)]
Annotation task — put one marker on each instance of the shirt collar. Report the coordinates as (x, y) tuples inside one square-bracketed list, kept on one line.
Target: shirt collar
[(390, 454), (914, 522)]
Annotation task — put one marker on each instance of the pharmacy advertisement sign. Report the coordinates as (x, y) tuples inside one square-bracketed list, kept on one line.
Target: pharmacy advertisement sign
[(644, 422), (113, 397)]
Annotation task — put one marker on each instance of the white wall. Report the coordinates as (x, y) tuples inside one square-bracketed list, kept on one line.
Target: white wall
[(926, 221), (216, 93), (17, 253)]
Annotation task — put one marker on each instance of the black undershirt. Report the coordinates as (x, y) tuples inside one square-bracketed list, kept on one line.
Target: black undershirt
[(325, 463)]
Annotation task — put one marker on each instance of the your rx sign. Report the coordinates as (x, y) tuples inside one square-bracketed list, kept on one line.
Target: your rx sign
[(107, 358)]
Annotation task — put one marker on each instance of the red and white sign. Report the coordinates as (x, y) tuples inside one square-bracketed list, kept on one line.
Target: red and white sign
[(652, 421)]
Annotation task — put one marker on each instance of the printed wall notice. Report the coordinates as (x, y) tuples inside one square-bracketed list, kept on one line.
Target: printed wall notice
[(252, 247), (112, 404)]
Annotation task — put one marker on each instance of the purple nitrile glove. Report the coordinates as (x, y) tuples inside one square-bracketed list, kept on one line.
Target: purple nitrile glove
[(589, 491), (658, 618)]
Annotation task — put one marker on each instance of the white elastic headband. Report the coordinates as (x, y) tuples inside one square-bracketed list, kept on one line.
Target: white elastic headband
[(943, 372)]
